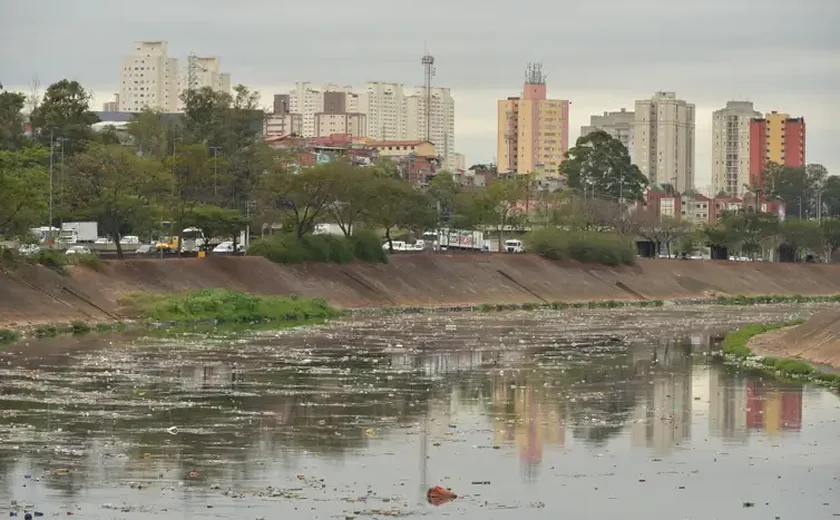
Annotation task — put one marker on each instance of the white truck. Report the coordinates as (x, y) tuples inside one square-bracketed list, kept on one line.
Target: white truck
[(78, 232), (458, 239)]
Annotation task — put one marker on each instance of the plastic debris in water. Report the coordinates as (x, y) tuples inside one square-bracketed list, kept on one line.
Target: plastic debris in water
[(172, 430), (438, 495)]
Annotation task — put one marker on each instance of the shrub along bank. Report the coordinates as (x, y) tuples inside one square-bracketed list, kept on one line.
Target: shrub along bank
[(226, 306), (363, 246), (588, 247), (735, 348)]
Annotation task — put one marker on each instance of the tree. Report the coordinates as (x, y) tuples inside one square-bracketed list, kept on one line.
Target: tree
[(600, 164), (664, 230), (384, 166), (217, 222), (354, 189), (150, 135), (64, 113), (113, 185), (802, 236), (831, 196), (497, 205), (192, 182), (23, 192), (754, 232), (396, 204), (304, 196), (798, 187), (831, 235), (11, 120), (444, 191)]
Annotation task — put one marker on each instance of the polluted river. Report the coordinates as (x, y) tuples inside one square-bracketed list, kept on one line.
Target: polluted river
[(581, 413)]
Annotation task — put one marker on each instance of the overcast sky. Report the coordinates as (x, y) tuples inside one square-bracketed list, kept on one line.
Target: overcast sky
[(602, 55)]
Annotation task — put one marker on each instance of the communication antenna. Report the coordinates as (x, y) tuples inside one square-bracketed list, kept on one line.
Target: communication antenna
[(34, 93), (534, 74), (429, 71), (192, 69)]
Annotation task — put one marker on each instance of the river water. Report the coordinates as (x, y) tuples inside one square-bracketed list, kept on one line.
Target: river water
[(590, 414)]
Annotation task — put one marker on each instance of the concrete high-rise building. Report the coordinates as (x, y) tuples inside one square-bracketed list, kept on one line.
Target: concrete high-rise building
[(533, 131), (617, 124), (282, 121), (112, 106), (386, 111), (307, 101), (731, 148), (776, 138), (663, 135), (441, 130), (202, 72), (336, 117), (149, 79)]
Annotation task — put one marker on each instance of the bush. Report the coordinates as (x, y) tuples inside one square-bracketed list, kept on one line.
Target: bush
[(367, 247), (79, 327), (586, 247), (89, 260), (226, 306), (46, 331), (52, 259), (289, 249), (8, 336)]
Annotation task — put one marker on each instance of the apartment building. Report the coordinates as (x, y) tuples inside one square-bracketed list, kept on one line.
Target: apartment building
[(385, 108), (777, 138), (440, 128), (149, 79), (201, 72), (336, 118), (533, 131), (731, 148), (618, 124), (112, 106), (663, 135), (282, 121)]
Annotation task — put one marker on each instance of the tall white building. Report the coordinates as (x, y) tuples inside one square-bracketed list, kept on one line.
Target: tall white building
[(731, 147), (385, 107), (618, 124), (441, 131), (149, 79), (663, 135), (203, 72), (307, 101)]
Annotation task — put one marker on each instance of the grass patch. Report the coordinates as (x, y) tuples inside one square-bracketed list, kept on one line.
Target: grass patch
[(289, 249), (756, 300), (586, 247), (79, 327), (8, 336), (226, 306), (89, 260), (46, 331), (735, 346), (52, 259)]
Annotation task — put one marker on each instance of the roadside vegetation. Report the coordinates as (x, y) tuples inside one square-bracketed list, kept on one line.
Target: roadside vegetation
[(362, 246), (735, 347), (224, 306), (591, 247)]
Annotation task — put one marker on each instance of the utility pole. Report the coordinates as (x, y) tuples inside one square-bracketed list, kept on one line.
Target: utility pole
[(52, 152)]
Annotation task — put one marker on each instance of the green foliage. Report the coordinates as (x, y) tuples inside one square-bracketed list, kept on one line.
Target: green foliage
[(115, 186), (79, 327), (289, 249), (89, 260), (226, 306), (396, 204), (802, 236), (353, 191), (367, 247), (11, 120), (754, 300), (600, 164), (23, 187), (587, 247), (46, 331), (735, 343), (303, 196), (831, 196), (52, 259), (64, 113), (8, 336), (217, 222)]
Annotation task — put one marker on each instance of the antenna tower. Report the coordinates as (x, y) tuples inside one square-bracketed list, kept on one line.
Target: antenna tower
[(192, 70), (429, 71)]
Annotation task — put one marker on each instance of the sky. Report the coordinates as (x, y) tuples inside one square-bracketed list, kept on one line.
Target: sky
[(602, 55)]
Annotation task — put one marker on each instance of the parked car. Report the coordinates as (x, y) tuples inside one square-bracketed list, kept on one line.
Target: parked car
[(224, 247), (103, 241), (77, 250), (130, 239), (146, 249), (29, 249)]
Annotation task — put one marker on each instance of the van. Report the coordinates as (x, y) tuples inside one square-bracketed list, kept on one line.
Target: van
[(513, 246)]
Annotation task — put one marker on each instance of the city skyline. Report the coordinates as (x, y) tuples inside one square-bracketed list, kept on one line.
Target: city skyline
[(766, 66)]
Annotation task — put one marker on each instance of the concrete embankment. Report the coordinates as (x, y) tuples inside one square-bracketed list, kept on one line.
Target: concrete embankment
[(33, 294), (816, 341)]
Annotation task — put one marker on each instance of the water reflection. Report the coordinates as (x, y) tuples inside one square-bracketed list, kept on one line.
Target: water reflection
[(407, 389)]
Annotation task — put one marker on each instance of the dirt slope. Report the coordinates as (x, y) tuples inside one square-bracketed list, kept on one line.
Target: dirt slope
[(35, 294)]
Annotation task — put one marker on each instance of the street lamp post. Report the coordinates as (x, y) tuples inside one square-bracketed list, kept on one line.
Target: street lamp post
[(215, 150), (52, 151)]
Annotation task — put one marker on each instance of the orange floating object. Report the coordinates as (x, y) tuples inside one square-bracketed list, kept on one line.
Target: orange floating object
[(439, 495)]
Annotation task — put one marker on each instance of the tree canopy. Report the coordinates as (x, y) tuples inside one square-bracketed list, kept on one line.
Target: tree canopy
[(600, 164)]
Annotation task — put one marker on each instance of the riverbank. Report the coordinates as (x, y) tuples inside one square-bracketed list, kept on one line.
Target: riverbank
[(32, 295), (774, 348), (817, 342)]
